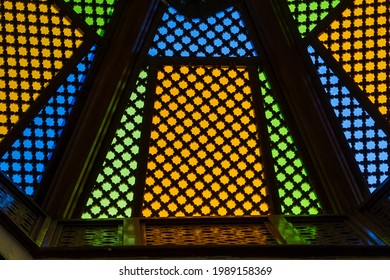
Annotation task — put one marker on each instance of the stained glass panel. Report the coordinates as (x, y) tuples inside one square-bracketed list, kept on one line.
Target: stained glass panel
[(113, 193), (204, 155), (222, 35), (368, 143), (35, 42), (296, 193), (28, 157)]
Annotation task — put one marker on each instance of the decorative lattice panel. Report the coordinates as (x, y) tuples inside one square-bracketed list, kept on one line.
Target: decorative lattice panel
[(359, 41), (81, 236), (204, 155), (28, 157), (209, 234), (368, 143), (309, 13), (113, 192), (297, 195), (35, 42), (96, 13), (329, 233), (16, 211), (221, 35)]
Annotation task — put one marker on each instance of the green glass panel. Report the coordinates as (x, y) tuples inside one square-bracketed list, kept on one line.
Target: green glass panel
[(96, 13), (296, 193), (113, 192), (308, 14)]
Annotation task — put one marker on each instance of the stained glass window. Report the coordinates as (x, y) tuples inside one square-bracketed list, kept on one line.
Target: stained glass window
[(359, 41), (205, 147), (222, 35), (204, 155), (181, 114), (194, 105)]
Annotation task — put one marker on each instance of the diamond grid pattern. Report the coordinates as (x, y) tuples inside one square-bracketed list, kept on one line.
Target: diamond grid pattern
[(359, 40), (308, 13), (204, 155), (222, 35), (369, 144), (112, 194), (297, 195), (35, 43), (28, 157), (96, 13)]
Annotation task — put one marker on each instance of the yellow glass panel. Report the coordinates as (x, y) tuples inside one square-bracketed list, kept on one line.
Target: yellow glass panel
[(359, 41), (215, 165)]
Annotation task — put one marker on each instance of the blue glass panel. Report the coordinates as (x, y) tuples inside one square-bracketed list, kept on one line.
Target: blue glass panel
[(368, 143), (221, 35)]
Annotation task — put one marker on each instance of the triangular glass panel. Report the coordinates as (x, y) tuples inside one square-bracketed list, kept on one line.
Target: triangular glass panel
[(308, 14), (113, 193), (368, 143), (359, 41), (296, 193), (204, 156)]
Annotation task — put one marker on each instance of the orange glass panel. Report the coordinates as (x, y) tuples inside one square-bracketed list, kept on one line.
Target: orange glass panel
[(359, 40), (204, 156)]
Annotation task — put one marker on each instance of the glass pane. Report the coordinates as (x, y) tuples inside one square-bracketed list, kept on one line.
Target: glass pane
[(222, 35), (368, 143), (204, 155), (309, 13), (296, 193), (113, 192), (359, 41)]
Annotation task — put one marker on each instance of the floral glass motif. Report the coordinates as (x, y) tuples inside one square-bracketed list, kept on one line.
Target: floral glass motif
[(296, 192)]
